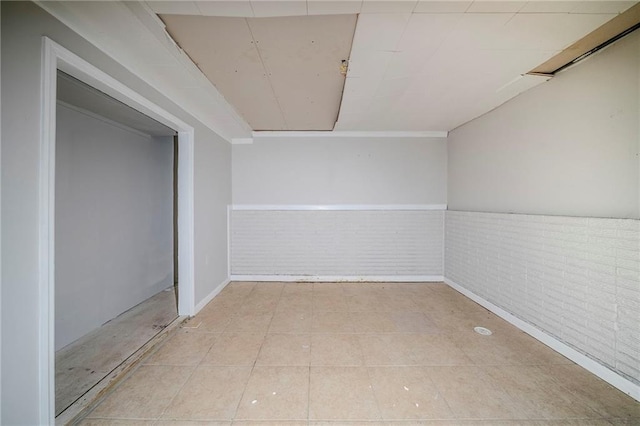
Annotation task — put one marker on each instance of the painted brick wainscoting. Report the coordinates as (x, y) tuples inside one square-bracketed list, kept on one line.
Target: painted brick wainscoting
[(576, 279), (389, 244)]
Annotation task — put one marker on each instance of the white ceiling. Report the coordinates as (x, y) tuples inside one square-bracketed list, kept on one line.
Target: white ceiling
[(415, 65), (418, 65)]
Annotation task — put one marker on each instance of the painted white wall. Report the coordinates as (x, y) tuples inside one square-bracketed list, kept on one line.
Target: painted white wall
[(23, 25), (340, 171), (567, 147), (114, 221)]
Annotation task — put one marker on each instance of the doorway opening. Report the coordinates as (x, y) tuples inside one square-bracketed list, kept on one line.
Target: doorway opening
[(115, 187), (56, 58)]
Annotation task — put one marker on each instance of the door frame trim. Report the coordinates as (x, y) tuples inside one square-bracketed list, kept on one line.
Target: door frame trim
[(55, 57)]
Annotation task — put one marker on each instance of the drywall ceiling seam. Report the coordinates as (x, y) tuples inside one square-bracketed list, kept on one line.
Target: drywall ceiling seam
[(350, 134), (267, 73), (50, 7), (344, 83)]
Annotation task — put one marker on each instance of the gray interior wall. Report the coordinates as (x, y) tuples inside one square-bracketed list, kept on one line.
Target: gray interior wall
[(567, 147), (23, 25), (114, 221), (317, 170)]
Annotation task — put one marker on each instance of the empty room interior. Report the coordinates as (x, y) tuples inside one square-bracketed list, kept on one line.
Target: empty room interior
[(316, 212)]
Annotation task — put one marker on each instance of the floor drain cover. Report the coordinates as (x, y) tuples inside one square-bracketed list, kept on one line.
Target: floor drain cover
[(483, 331)]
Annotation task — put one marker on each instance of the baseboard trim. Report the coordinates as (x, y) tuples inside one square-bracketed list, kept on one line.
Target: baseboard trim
[(340, 278), (211, 295), (609, 376)]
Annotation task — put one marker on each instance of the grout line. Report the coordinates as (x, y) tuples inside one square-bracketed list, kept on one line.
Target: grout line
[(253, 366)]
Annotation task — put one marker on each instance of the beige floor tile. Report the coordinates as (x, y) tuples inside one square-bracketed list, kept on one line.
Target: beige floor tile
[(83, 363), (329, 302), (336, 349), (211, 393), (369, 302), (341, 393), (225, 301), (361, 289), (211, 322), (393, 302), (328, 288), (115, 422), (267, 289), (590, 390), (258, 304), (630, 421), (183, 348), (435, 349), (285, 350), (222, 303), (473, 394), (414, 322), (373, 322), (234, 349), (190, 423), (407, 393), (239, 287), (536, 394), (357, 354), (290, 322), (501, 349), (359, 423), (386, 349), (145, 394), (257, 322), (297, 288), (296, 302), (268, 423), (331, 322), (276, 393)]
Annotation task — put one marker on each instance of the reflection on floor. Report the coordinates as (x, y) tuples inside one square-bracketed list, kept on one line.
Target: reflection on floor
[(83, 363), (362, 353)]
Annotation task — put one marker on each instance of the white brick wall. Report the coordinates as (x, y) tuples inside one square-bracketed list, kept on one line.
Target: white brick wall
[(577, 279), (337, 243)]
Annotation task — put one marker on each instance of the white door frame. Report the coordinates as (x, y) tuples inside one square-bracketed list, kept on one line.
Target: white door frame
[(54, 58)]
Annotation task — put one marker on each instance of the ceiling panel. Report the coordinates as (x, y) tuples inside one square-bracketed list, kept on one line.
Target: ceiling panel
[(414, 64), (302, 56), (224, 49), (379, 31), (496, 6), (452, 6), (333, 7), (280, 73), (224, 8), (269, 8), (549, 6), (388, 6), (448, 68)]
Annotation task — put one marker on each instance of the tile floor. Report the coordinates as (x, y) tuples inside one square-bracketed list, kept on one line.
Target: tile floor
[(83, 363), (359, 354)]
